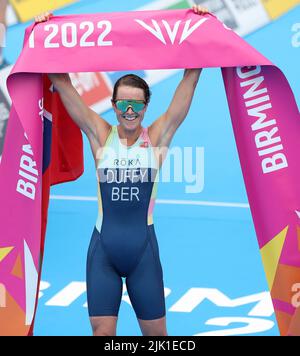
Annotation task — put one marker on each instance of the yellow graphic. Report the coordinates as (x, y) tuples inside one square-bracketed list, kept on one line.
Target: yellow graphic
[(4, 252), (271, 254), (276, 8), (27, 9)]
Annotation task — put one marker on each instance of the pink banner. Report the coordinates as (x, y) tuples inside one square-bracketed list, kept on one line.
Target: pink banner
[(264, 113)]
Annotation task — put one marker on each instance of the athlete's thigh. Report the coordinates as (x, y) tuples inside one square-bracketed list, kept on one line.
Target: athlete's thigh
[(145, 284), (104, 284)]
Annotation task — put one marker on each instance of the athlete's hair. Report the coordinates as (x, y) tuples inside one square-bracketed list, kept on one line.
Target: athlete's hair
[(134, 81)]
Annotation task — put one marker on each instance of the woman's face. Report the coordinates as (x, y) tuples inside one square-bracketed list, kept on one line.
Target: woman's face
[(130, 120)]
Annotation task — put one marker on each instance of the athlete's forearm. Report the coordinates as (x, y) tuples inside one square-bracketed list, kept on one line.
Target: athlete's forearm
[(77, 109), (60, 80), (183, 96), (192, 75)]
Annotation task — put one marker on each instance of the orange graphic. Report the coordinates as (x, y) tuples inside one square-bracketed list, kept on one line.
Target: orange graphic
[(16, 317), (18, 270)]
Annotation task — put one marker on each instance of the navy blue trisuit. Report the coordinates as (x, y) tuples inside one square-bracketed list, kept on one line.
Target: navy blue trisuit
[(123, 242)]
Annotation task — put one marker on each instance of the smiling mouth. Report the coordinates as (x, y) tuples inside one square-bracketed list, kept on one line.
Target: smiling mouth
[(130, 117)]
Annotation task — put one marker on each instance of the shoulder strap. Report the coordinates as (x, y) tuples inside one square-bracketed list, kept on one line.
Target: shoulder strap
[(145, 136)]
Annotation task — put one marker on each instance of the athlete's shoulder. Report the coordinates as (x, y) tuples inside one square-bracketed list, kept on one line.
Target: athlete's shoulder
[(152, 135), (103, 131)]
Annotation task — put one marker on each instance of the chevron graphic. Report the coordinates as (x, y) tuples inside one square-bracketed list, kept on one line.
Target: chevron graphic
[(4, 252)]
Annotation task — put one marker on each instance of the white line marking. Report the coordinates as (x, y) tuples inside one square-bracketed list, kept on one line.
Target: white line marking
[(162, 201), (68, 295), (71, 197), (203, 203)]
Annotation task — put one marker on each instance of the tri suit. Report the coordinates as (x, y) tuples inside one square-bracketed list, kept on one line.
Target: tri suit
[(123, 242)]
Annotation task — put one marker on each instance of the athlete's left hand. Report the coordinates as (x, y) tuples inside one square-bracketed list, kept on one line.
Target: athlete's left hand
[(200, 10)]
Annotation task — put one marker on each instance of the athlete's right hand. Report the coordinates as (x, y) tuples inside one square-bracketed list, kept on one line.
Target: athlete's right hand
[(43, 17)]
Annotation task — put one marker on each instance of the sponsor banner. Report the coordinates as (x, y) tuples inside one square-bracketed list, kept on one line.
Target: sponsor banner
[(166, 5), (3, 76), (5, 103), (250, 15), (94, 88), (11, 17), (4, 114), (27, 9), (223, 12), (243, 16), (276, 8), (2, 39)]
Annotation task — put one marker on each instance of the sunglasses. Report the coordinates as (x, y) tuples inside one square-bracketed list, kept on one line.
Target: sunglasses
[(136, 105)]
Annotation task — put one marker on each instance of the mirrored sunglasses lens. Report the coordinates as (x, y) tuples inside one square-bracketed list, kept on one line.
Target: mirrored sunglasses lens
[(121, 105), (138, 106), (124, 104)]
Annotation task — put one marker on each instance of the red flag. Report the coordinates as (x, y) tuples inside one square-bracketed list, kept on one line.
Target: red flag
[(62, 154)]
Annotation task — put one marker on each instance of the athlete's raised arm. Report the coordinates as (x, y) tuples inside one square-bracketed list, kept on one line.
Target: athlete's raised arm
[(95, 127), (163, 129), (88, 121)]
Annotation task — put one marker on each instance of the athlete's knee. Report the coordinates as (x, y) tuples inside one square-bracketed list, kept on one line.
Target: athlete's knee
[(160, 333), (155, 332), (153, 327), (103, 332), (104, 326)]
